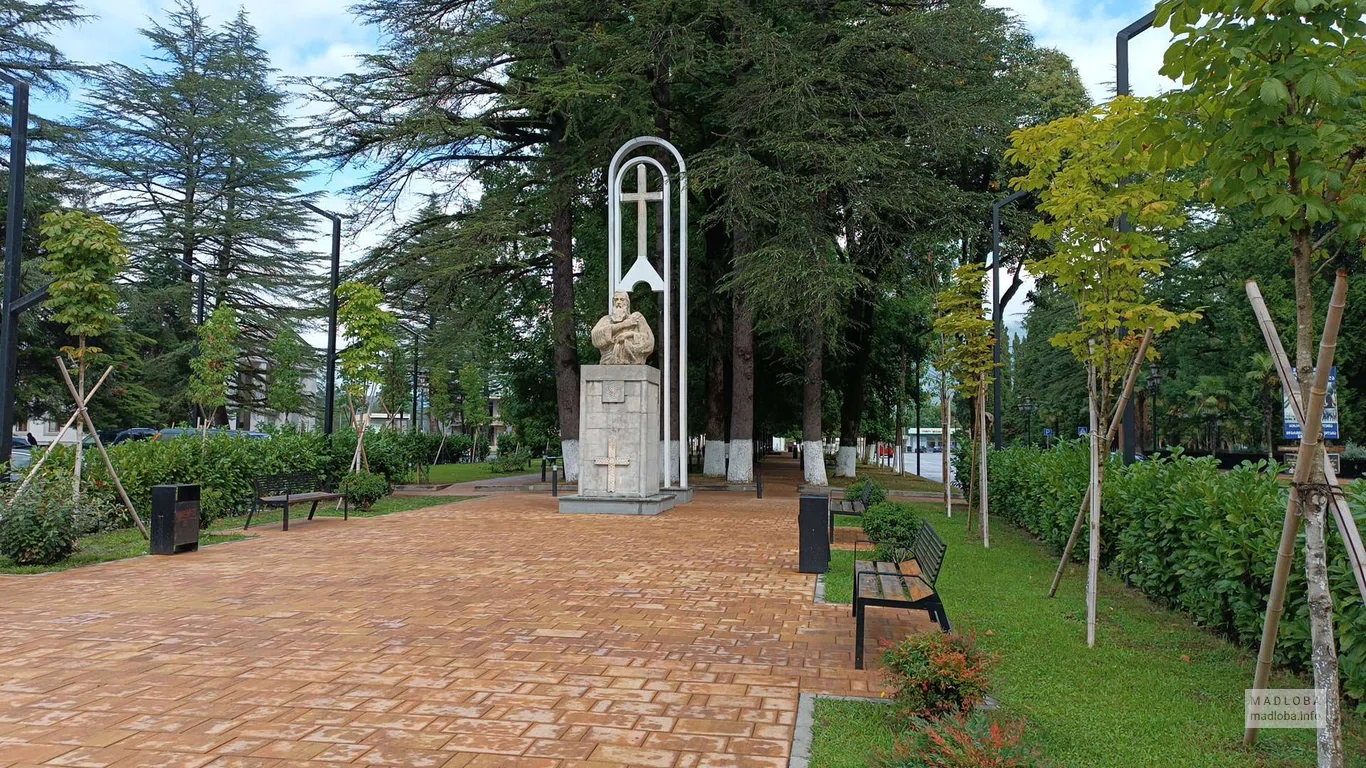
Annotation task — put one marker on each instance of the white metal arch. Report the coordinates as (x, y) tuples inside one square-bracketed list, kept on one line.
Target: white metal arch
[(615, 170)]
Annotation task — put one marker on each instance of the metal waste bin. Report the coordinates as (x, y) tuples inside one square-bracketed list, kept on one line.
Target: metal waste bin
[(813, 540), (175, 519)]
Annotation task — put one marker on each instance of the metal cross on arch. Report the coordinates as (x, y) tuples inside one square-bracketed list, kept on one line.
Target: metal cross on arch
[(642, 271)]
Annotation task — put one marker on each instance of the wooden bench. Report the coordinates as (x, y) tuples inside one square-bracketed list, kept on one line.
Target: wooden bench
[(847, 506), (290, 488), (909, 584)]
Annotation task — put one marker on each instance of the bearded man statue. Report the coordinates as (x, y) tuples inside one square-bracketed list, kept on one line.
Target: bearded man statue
[(623, 337)]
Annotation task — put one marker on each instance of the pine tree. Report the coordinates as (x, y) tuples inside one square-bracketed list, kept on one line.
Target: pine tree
[(283, 393), (194, 156)]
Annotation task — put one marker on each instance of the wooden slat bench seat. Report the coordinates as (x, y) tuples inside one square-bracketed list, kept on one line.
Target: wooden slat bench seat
[(843, 505), (909, 584), (284, 490)]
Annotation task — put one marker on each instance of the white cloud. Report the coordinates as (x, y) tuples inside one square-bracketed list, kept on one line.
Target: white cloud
[(1085, 30)]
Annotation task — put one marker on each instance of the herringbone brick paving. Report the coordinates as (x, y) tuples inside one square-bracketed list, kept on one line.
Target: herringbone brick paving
[(489, 632)]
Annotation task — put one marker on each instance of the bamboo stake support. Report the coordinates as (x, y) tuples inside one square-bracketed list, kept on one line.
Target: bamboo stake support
[(1093, 495), (33, 471), (1110, 433), (982, 470), (1321, 608), (108, 465), (1342, 514)]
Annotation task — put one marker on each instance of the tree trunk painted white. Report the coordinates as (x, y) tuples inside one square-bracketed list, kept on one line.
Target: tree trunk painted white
[(846, 461), (946, 442), (813, 463), (982, 469), (714, 458), (869, 451), (1325, 656), (1093, 561), (569, 455), (741, 468)]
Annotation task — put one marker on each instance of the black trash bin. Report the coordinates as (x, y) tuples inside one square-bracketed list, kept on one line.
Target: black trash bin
[(813, 540), (175, 519)]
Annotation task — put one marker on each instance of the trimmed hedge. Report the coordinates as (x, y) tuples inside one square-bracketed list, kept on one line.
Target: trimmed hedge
[(224, 466), (1190, 537)]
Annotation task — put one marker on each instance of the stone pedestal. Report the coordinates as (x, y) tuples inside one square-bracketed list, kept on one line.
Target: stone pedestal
[(619, 442)]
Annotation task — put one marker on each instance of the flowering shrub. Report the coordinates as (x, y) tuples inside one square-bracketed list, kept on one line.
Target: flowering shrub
[(971, 742), (936, 674)]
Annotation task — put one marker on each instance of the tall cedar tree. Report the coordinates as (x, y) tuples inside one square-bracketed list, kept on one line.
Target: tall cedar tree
[(461, 86), (196, 159)]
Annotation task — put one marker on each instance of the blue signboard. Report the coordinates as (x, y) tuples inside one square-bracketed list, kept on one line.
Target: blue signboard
[(1083, 431), (1047, 431), (1293, 431)]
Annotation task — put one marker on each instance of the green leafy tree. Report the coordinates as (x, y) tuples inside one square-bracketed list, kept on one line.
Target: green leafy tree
[(84, 255), (474, 405), (369, 340), (1091, 174), (284, 394), (967, 357), (212, 370), (1272, 103)]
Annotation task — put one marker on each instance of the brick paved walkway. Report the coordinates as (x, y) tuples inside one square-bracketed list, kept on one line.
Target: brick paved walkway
[(490, 632)]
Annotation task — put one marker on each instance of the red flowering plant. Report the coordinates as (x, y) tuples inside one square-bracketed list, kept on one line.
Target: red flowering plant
[(935, 674), (963, 742)]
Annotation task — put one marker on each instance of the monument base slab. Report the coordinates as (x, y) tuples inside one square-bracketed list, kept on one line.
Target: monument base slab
[(616, 505)]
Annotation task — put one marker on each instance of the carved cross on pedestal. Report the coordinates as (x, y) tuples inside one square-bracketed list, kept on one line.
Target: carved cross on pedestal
[(612, 462)]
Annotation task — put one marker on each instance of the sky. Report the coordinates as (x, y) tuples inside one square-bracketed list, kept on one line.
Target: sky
[(322, 38)]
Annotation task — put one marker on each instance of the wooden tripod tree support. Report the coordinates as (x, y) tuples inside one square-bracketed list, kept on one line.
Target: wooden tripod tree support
[(1308, 497), (1110, 433), (108, 465), (38, 465)]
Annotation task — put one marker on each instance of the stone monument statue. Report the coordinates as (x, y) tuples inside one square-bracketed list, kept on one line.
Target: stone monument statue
[(623, 337)]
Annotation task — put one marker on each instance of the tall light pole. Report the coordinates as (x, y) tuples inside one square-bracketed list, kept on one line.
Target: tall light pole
[(1027, 407), (14, 247), (1154, 386), (330, 392), (997, 312), (1122, 89)]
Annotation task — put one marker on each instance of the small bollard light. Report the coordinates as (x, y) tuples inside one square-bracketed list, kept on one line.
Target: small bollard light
[(554, 478)]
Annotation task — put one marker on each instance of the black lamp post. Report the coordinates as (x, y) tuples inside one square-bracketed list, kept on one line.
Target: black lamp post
[(1027, 407), (1154, 385), (14, 247), (997, 311), (330, 392), (1122, 39)]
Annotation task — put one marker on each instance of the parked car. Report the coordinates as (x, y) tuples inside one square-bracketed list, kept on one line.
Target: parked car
[(19, 459), (171, 433), (19, 444), (134, 434)]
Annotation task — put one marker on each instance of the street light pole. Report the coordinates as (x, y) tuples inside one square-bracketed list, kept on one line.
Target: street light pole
[(14, 246), (996, 310), (917, 416), (1154, 386), (1122, 89), (330, 391)]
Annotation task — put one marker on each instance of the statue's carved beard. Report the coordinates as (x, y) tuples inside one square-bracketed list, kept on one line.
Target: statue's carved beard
[(618, 315)]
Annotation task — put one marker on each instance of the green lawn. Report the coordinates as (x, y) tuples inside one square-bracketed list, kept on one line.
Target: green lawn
[(851, 734), (464, 473), (1155, 691), (103, 547), (890, 480), (125, 543), (385, 506)]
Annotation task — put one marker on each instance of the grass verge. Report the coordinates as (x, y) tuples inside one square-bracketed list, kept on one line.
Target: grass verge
[(127, 542), (466, 473), (107, 546), (890, 480), (386, 506), (851, 734), (1155, 691)]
